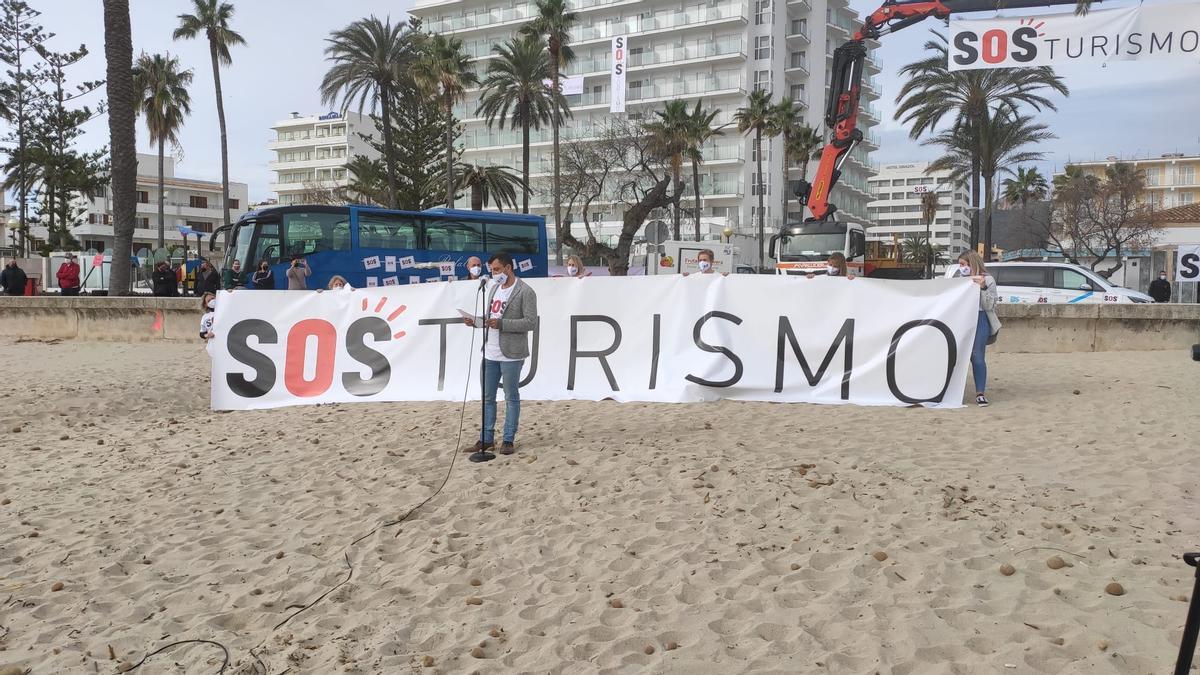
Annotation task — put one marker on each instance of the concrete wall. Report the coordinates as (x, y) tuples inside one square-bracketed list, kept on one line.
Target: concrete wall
[(1027, 328), (100, 318), (1097, 327)]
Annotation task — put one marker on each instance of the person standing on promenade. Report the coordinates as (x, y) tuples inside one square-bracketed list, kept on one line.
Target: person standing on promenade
[(68, 276), (970, 264), (233, 277), (208, 305), (13, 279), (264, 278), (512, 315), (1160, 288), (575, 268), (164, 280), (207, 280)]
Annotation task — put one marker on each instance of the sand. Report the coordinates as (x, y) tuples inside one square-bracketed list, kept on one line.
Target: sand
[(708, 538)]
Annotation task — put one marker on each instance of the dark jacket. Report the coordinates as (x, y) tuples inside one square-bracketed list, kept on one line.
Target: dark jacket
[(206, 282), (12, 279), (264, 280), (1160, 290), (231, 280), (165, 283)]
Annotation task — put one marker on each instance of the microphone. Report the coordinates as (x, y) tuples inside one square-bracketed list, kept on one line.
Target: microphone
[(483, 283)]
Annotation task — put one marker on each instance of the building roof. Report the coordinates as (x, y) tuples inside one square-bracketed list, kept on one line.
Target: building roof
[(1188, 213)]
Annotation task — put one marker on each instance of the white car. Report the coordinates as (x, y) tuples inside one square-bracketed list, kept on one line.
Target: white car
[(1054, 283)]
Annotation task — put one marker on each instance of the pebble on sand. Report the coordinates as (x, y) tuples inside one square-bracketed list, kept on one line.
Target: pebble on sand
[(671, 646), (1102, 645), (476, 582), (474, 601), (1056, 563), (1007, 570), (58, 586), (649, 649), (795, 566), (879, 555), (427, 661), (477, 652), (1059, 641), (279, 556), (1114, 588), (616, 603), (5, 502)]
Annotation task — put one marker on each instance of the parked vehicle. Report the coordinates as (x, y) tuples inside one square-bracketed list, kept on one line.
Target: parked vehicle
[(1055, 283)]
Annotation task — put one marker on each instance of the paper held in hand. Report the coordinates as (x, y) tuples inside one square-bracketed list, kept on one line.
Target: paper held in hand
[(467, 315)]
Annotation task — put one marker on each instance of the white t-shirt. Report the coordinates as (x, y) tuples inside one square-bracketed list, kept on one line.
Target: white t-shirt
[(499, 301), (206, 322)]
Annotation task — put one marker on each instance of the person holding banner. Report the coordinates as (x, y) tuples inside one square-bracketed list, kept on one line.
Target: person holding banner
[(575, 267), (474, 268), (970, 264), (512, 315)]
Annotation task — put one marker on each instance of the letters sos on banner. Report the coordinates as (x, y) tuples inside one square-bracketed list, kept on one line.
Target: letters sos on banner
[(619, 54), (669, 339), (1126, 34)]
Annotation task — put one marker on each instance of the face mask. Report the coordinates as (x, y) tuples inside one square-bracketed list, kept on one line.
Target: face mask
[(212, 304), (964, 270), (832, 271), (572, 270), (476, 270), (705, 266), (501, 278), (1163, 277)]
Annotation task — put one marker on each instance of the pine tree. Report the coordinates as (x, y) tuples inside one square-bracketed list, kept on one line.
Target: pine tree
[(418, 131)]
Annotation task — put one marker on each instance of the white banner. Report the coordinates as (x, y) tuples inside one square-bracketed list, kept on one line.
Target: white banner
[(1187, 264), (1162, 31), (667, 338), (569, 86), (619, 55)]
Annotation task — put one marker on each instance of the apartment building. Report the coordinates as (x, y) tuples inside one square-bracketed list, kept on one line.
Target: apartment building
[(1171, 179), (189, 202), (718, 51), (311, 153), (896, 209)]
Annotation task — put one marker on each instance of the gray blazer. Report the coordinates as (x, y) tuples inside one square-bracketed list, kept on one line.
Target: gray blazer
[(519, 318)]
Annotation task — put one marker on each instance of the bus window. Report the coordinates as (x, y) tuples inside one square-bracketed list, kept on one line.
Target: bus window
[(858, 244), (266, 246), (453, 235), (511, 237), (387, 230), (316, 232)]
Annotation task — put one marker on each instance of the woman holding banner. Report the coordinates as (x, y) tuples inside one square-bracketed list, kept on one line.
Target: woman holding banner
[(970, 264)]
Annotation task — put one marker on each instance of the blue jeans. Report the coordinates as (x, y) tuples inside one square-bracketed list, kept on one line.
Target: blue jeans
[(493, 372), (983, 331)]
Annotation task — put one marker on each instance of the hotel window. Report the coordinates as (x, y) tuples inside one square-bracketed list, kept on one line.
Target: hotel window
[(143, 223), (91, 219), (762, 47), (762, 80), (1152, 176), (762, 12), (143, 197), (198, 202), (1185, 175), (1187, 197), (796, 92), (234, 204)]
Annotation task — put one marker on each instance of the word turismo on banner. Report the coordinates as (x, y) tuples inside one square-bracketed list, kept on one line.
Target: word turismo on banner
[(1162, 31), (664, 338)]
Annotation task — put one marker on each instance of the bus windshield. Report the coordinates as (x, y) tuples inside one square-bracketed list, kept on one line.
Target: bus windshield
[(811, 247)]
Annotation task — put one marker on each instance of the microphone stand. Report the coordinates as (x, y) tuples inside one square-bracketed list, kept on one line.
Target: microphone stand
[(483, 455)]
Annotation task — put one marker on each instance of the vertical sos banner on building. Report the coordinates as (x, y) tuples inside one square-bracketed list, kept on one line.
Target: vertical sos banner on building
[(1165, 31), (663, 338), (620, 53)]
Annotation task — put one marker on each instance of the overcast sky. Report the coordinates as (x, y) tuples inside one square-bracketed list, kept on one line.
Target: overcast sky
[(1126, 109)]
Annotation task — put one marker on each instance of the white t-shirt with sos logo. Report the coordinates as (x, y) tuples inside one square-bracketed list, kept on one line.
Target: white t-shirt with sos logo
[(499, 301)]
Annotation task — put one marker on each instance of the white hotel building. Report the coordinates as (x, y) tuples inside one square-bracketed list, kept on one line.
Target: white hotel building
[(718, 51), (896, 209), (311, 152)]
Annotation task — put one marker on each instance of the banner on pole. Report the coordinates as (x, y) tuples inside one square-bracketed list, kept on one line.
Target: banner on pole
[(1187, 265), (619, 53), (668, 338), (1165, 31)]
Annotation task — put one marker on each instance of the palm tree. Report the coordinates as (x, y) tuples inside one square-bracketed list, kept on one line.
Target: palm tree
[(1072, 173), (368, 181), (667, 138), (918, 249), (553, 22), (211, 18), (515, 92), (991, 148), (968, 98), (122, 106), (786, 118), (444, 71), (1028, 185), (497, 184), (163, 97), (700, 131), (929, 208), (804, 143), (370, 58), (756, 118)]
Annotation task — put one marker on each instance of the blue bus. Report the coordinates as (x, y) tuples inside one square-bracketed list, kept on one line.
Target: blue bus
[(371, 246)]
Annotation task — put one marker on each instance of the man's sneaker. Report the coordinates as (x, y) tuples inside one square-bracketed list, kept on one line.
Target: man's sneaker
[(507, 448), (981, 400), (480, 446)]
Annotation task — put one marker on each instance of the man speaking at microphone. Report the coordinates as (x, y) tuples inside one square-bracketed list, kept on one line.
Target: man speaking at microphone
[(511, 316)]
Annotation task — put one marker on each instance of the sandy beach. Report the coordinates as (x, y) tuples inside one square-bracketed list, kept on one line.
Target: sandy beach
[(705, 538)]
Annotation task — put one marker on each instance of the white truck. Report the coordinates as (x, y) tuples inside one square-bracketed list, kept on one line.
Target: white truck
[(680, 257)]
